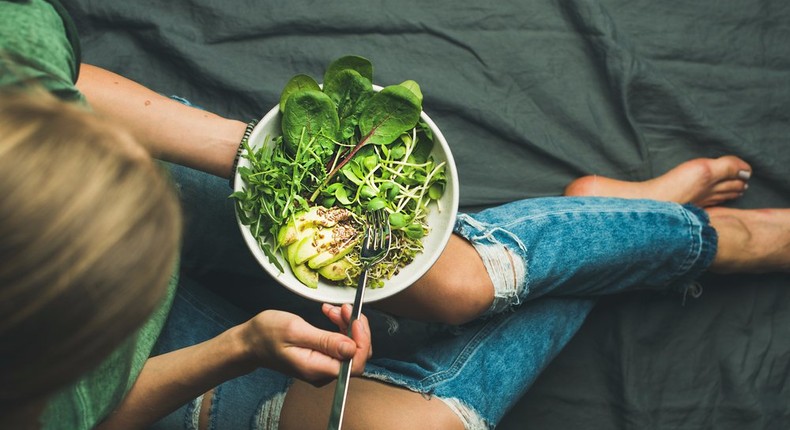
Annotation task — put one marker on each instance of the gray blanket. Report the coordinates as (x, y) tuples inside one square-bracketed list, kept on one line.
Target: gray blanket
[(530, 95)]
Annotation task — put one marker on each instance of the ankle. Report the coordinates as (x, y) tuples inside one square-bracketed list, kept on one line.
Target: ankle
[(584, 186)]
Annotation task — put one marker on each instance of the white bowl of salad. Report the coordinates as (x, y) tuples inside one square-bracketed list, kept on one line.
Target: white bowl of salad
[(325, 156)]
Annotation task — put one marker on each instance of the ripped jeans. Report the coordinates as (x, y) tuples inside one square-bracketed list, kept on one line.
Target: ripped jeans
[(549, 259)]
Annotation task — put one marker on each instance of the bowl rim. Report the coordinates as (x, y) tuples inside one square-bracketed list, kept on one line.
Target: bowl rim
[(329, 293)]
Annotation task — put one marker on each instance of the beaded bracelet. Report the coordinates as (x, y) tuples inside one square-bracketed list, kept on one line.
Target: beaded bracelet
[(247, 131)]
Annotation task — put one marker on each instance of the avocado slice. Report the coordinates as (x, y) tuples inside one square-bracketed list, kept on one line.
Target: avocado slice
[(342, 241), (326, 245), (336, 271), (306, 248), (315, 217), (318, 233), (304, 274), (290, 253), (287, 234)]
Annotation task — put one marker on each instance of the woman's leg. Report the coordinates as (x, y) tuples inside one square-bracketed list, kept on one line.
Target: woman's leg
[(703, 182), (468, 291), (561, 246), (212, 239), (465, 377), (751, 240)]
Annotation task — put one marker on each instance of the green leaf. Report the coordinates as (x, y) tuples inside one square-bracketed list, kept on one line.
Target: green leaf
[(398, 220), (310, 116), (342, 196), (370, 162), (414, 88), (422, 150), (238, 195), (389, 113), (350, 91), (436, 190), (415, 231), (398, 151), (270, 255), (349, 173), (297, 83), (376, 204), (361, 65), (332, 188), (367, 191)]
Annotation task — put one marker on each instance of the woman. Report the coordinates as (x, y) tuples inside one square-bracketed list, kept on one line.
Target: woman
[(468, 281), (464, 370), (90, 238), (83, 208)]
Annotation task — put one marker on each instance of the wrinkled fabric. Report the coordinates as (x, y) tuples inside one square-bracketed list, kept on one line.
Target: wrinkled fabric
[(530, 95)]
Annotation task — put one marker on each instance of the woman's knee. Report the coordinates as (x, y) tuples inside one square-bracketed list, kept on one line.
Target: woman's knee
[(455, 290)]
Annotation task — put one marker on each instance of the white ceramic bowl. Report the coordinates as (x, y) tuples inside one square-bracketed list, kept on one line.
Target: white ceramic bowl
[(440, 221)]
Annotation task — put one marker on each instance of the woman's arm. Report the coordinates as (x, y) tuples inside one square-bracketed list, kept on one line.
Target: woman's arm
[(273, 339), (170, 130)]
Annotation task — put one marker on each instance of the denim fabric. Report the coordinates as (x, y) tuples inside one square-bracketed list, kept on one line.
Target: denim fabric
[(250, 402), (549, 258), (564, 246), (212, 239)]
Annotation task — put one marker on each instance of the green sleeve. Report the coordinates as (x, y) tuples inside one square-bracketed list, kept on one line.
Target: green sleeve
[(87, 402), (38, 46)]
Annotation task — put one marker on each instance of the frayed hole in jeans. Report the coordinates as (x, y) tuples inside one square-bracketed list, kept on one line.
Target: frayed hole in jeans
[(268, 416), (470, 418)]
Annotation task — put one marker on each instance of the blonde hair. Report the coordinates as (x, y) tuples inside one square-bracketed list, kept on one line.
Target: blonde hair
[(89, 234)]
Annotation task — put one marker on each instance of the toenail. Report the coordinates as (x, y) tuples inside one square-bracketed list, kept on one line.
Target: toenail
[(745, 186), (744, 174)]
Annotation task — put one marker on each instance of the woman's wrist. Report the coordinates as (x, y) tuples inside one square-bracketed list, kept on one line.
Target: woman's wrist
[(240, 348), (242, 144)]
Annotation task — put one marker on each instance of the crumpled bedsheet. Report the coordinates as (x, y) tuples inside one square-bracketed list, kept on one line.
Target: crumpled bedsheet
[(531, 95)]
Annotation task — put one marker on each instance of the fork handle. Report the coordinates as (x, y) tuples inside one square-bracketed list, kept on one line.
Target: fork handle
[(362, 285), (341, 389)]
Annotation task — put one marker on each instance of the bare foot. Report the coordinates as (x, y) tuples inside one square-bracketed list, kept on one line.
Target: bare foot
[(702, 181), (751, 241)]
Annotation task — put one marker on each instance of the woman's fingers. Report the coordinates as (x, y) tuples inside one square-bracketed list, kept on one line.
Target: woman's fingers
[(340, 316)]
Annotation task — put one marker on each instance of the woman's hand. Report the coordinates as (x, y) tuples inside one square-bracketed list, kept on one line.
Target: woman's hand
[(278, 340), (285, 342)]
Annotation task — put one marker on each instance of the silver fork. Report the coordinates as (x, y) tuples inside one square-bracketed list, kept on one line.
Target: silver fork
[(375, 246)]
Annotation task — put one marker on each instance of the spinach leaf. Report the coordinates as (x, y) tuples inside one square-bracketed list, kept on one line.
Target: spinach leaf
[(389, 113), (350, 91), (424, 147), (310, 115), (414, 87), (297, 83), (361, 65)]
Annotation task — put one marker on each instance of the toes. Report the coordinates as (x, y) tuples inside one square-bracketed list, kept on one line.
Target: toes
[(730, 186), (731, 167), (722, 192)]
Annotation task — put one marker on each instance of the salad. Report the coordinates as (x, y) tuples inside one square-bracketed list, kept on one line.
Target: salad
[(345, 149)]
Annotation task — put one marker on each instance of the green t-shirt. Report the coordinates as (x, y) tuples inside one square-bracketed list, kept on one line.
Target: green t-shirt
[(38, 46), (92, 398)]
